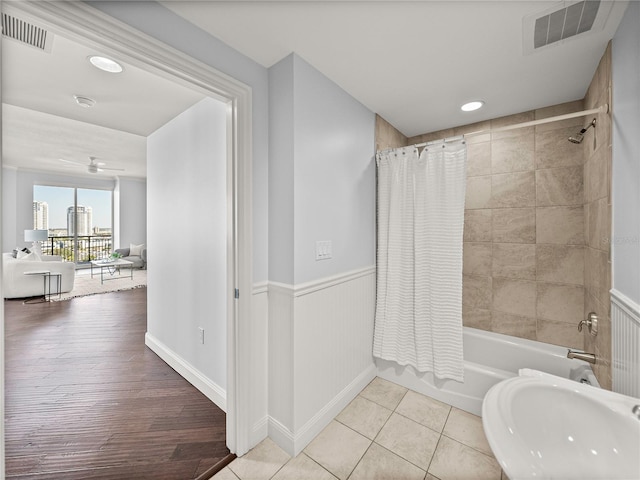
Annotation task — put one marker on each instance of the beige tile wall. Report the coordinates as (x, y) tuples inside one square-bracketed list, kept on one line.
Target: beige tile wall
[(387, 136), (524, 235), (597, 214)]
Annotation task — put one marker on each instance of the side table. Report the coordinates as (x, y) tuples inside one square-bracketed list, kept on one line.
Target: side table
[(47, 277)]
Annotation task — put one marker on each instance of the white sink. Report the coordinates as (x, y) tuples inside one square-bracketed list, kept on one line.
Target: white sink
[(546, 427)]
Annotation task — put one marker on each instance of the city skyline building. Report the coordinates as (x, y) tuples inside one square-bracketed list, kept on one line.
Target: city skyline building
[(82, 217), (40, 216)]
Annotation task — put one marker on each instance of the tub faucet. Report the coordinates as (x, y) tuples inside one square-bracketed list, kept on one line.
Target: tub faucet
[(587, 357)]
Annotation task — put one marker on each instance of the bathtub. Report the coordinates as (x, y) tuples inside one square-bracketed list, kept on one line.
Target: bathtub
[(488, 359)]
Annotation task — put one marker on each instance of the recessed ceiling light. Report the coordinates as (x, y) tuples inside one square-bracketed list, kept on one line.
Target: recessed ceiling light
[(85, 102), (106, 64), (471, 106)]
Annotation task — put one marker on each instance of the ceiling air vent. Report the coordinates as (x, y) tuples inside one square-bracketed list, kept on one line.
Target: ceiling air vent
[(563, 21), (27, 33)]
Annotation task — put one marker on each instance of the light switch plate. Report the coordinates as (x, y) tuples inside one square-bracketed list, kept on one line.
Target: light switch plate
[(323, 249)]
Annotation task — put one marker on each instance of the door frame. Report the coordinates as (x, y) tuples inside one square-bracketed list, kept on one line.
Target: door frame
[(90, 26)]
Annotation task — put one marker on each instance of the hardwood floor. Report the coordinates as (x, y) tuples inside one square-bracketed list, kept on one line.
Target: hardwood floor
[(85, 399)]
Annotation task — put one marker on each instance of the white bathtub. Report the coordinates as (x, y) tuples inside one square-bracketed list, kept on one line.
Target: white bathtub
[(488, 359)]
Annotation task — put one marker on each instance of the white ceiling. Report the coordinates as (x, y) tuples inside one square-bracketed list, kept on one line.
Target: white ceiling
[(414, 62), (42, 123)]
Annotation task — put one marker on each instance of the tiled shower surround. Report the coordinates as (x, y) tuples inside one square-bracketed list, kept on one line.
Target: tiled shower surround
[(524, 244), (537, 224)]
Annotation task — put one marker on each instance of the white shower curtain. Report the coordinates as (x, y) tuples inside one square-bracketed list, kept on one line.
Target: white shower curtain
[(419, 267)]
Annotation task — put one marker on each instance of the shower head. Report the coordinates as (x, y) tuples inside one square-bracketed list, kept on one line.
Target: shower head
[(578, 137)]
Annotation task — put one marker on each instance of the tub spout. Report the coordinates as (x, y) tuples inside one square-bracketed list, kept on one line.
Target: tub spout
[(587, 357)]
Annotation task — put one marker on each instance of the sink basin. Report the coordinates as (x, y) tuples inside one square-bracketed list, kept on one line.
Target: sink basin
[(546, 427)]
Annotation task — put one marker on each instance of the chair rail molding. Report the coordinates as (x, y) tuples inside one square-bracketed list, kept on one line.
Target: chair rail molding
[(85, 23)]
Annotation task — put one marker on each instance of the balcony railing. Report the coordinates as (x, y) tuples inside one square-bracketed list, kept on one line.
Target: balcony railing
[(90, 247)]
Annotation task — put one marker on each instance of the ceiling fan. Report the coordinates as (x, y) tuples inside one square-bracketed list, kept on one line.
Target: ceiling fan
[(93, 166)]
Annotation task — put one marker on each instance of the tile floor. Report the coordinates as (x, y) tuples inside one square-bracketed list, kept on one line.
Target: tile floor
[(386, 432)]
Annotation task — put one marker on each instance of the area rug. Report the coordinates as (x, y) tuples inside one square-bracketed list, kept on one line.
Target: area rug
[(85, 285)]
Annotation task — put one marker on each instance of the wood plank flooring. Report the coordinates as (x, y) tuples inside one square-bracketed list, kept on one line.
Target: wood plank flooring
[(85, 399)]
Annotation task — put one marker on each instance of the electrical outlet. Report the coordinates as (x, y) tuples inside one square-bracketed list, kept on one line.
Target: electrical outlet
[(201, 335)]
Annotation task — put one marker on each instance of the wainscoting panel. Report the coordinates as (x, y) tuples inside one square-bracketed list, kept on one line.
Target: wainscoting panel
[(280, 348), (259, 391), (333, 340), (625, 337), (320, 353)]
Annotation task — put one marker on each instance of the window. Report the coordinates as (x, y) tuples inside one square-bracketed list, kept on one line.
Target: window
[(79, 221)]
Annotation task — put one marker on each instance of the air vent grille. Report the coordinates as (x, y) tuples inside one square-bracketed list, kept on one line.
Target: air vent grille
[(567, 22), (24, 32)]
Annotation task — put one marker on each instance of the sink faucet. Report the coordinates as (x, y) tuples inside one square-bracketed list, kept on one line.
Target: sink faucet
[(587, 357)]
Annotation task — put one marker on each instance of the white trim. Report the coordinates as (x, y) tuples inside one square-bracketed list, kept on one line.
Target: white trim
[(322, 283), (623, 302), (280, 434), (316, 424), (83, 22), (260, 430), (261, 287), (214, 392)]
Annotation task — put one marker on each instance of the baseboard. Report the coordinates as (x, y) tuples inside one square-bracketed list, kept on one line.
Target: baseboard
[(294, 443), (210, 389), (314, 426), (260, 430), (283, 437)]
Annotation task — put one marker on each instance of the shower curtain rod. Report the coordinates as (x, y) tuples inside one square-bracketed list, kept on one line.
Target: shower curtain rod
[(602, 109)]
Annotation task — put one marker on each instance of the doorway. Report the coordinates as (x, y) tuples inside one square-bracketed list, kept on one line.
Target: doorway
[(81, 21)]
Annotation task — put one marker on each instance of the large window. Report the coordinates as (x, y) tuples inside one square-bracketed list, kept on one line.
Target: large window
[(79, 221)]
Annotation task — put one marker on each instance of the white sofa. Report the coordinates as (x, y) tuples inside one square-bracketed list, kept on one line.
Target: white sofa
[(15, 284)]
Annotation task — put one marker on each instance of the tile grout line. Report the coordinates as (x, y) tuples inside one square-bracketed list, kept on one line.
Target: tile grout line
[(359, 461), (313, 460), (376, 436), (439, 438), (469, 446), (395, 410)]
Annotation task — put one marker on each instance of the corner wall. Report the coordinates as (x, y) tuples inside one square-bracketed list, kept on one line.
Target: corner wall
[(387, 136), (322, 170)]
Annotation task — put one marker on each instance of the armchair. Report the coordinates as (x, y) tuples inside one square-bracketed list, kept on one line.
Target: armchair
[(139, 261)]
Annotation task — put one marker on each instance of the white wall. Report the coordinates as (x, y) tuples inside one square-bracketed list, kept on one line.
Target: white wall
[(321, 175), (281, 171), (130, 212), (335, 196), (9, 210), (626, 155), (162, 24), (187, 234)]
